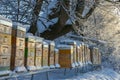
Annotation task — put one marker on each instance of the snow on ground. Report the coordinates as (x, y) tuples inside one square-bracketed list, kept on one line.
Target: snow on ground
[(104, 74)]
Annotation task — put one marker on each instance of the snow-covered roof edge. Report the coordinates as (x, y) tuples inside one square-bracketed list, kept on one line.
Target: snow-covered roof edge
[(5, 21)]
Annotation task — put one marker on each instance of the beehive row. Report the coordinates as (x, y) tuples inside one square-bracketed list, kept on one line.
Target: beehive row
[(20, 51), (72, 54)]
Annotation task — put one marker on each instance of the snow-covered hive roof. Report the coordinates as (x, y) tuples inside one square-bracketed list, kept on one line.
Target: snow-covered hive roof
[(50, 42), (63, 46), (5, 21), (38, 39), (19, 26)]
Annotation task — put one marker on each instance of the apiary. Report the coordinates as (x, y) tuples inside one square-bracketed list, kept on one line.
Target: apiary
[(5, 45), (45, 55), (38, 52), (95, 56), (56, 58), (72, 43), (66, 56), (18, 47), (30, 52), (51, 54)]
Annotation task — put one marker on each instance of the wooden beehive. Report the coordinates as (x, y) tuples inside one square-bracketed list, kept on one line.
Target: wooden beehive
[(83, 53), (88, 55), (56, 58), (99, 57), (30, 52), (18, 47), (5, 45), (51, 54), (38, 52), (45, 55), (80, 55), (77, 54), (66, 56), (72, 43), (5, 39), (95, 56)]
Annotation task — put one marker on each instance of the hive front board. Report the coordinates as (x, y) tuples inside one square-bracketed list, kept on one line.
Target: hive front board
[(66, 56)]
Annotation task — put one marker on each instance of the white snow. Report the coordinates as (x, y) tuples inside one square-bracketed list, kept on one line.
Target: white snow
[(104, 74), (20, 69), (19, 26), (64, 46), (43, 22), (31, 68), (5, 21)]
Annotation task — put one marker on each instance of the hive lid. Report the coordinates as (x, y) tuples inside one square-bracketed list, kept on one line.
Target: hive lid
[(64, 47), (68, 42), (19, 26), (50, 42), (45, 44), (5, 21), (29, 35), (38, 39)]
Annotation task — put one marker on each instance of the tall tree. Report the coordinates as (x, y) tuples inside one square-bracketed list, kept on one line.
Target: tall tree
[(35, 16)]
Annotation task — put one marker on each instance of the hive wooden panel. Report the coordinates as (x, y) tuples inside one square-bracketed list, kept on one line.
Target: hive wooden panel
[(66, 56), (18, 46), (20, 42), (38, 47), (5, 39), (38, 52), (56, 58), (83, 53), (80, 54), (88, 56), (29, 61), (56, 55), (5, 44), (77, 54), (30, 42), (19, 61), (72, 43), (20, 52), (38, 61), (99, 57), (45, 54), (30, 52), (51, 53), (5, 50), (4, 63), (94, 56), (30, 46), (5, 29)]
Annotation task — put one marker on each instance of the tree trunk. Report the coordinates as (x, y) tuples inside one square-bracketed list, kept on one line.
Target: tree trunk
[(36, 11), (60, 26)]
